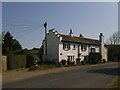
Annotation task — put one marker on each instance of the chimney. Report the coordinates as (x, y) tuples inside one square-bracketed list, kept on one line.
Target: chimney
[(71, 33), (101, 39)]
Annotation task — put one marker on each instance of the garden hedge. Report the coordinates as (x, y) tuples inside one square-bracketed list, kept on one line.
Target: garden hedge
[(94, 58), (30, 60), (16, 61)]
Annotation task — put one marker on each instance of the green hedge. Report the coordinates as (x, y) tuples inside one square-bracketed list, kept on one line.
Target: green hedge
[(30, 60), (94, 58), (114, 53), (16, 61)]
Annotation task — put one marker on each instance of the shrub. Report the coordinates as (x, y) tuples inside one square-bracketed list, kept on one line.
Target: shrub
[(113, 52), (70, 62), (94, 58), (31, 59), (16, 61), (78, 60), (63, 62), (83, 62), (103, 61), (86, 59)]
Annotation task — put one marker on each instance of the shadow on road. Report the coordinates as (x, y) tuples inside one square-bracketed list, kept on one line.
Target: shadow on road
[(108, 71)]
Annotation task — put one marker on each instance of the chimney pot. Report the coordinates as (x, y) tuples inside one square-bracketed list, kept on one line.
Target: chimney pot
[(71, 33)]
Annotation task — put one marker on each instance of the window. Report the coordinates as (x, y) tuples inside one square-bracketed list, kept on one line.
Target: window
[(93, 50), (66, 46), (83, 47), (71, 58), (74, 46)]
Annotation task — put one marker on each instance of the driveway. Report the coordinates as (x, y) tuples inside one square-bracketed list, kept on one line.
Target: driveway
[(87, 76)]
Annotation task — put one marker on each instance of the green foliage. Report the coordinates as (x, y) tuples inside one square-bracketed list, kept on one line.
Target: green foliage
[(86, 59), (40, 53), (9, 44), (83, 62), (115, 83), (21, 52), (30, 60), (114, 52), (78, 60), (95, 58), (16, 61), (43, 67), (70, 62), (63, 62)]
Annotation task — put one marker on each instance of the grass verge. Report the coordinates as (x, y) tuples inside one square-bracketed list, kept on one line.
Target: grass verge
[(115, 83), (43, 67)]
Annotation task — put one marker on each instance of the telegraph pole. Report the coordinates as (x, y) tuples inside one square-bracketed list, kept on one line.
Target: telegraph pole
[(45, 26)]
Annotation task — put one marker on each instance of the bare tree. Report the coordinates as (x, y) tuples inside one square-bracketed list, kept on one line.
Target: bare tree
[(114, 38)]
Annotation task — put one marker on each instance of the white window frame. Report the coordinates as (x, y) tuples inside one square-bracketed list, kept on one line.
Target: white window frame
[(74, 47), (83, 47), (66, 46)]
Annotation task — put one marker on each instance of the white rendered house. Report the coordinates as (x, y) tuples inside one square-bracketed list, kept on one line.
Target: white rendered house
[(62, 47)]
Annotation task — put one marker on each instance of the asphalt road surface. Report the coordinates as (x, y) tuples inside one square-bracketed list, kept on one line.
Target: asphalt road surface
[(88, 76)]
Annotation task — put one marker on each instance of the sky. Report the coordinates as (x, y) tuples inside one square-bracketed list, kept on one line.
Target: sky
[(24, 20)]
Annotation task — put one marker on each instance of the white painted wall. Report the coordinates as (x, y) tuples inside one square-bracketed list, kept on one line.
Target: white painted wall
[(106, 54), (52, 46), (73, 52), (87, 51), (97, 48), (65, 53), (56, 52)]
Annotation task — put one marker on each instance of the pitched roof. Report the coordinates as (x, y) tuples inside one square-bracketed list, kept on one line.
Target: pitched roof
[(80, 40)]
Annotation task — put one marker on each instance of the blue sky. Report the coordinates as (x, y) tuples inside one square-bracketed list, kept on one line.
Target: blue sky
[(25, 20)]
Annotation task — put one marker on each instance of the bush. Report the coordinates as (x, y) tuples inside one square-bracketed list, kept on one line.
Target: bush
[(86, 59), (63, 62), (70, 62), (16, 61), (78, 60), (94, 58), (83, 62), (31, 59), (103, 61), (113, 52)]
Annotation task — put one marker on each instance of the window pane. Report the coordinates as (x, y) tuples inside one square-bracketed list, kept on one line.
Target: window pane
[(63, 46), (74, 46)]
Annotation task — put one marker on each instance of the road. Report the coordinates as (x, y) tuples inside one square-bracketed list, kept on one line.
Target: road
[(87, 76)]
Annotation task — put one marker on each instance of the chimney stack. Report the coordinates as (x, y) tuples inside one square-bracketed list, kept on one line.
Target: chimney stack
[(101, 39), (71, 33)]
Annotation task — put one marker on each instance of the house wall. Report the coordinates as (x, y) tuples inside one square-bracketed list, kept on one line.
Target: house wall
[(97, 48), (87, 51), (65, 53), (103, 49), (106, 54), (56, 52), (74, 53), (52, 47)]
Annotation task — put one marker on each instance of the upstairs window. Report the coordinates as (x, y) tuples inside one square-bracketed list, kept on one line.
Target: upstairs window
[(66, 46), (93, 50), (74, 47), (83, 47)]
